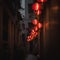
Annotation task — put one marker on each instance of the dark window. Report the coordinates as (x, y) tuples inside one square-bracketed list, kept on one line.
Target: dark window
[(5, 26)]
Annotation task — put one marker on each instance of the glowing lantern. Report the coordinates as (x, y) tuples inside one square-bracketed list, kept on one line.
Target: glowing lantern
[(42, 1), (39, 25), (35, 22), (32, 32), (36, 6), (28, 38), (31, 37), (37, 12), (36, 34), (35, 28)]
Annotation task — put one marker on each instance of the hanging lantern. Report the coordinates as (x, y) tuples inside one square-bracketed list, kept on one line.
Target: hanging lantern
[(39, 25), (35, 28), (35, 21), (42, 1), (32, 32), (36, 34), (37, 12), (28, 38), (32, 37), (36, 6)]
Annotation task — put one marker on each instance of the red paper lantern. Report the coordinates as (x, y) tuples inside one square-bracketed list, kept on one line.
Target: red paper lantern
[(36, 6), (32, 32), (37, 12), (36, 34), (31, 37), (39, 25), (42, 1), (28, 38), (35, 28), (35, 21)]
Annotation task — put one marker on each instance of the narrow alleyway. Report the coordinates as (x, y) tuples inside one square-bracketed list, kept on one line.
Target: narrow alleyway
[(22, 38)]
